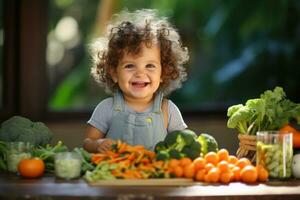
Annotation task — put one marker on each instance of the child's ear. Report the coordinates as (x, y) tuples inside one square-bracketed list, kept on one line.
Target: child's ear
[(113, 75)]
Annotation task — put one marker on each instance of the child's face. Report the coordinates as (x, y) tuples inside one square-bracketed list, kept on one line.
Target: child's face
[(139, 76)]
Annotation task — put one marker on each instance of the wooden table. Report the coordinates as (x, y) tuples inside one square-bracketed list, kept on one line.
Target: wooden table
[(48, 187)]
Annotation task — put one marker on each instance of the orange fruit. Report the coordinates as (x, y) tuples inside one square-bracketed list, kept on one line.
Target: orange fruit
[(31, 168), (189, 171), (236, 173), (232, 159), (208, 166), (178, 171), (223, 166), (243, 162), (200, 175), (262, 173), (212, 157), (248, 174), (226, 177), (173, 163), (199, 163), (231, 166), (223, 154), (185, 161), (213, 175)]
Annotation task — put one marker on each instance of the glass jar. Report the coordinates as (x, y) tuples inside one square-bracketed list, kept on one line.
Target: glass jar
[(17, 151), (275, 153), (67, 165)]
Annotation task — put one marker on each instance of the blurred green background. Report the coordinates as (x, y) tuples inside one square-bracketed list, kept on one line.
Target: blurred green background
[(238, 49)]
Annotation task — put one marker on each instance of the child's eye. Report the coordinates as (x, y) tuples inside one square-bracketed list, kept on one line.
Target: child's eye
[(151, 66), (129, 66)]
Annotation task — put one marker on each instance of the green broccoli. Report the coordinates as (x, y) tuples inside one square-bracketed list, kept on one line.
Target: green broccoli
[(182, 143), (19, 128), (160, 146), (175, 154), (163, 155), (171, 138), (208, 143)]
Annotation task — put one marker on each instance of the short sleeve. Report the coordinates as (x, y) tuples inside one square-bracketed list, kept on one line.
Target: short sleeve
[(102, 115), (176, 121)]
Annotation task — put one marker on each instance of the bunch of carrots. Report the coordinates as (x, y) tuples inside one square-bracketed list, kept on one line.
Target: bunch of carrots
[(218, 167), (133, 162)]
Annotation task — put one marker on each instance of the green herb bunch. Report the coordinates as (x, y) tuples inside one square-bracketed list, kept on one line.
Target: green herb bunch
[(269, 112)]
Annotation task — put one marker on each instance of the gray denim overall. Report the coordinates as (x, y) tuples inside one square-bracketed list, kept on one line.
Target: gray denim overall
[(137, 128)]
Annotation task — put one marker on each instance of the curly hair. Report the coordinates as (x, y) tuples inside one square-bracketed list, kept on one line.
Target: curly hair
[(125, 33)]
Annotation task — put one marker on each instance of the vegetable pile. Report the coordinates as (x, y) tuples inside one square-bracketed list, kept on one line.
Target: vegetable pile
[(269, 112), (126, 162)]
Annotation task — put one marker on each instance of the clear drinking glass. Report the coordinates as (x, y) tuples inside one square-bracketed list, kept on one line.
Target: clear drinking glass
[(274, 151), (67, 165), (17, 151)]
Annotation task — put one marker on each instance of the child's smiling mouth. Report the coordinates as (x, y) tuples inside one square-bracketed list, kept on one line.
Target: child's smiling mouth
[(139, 84)]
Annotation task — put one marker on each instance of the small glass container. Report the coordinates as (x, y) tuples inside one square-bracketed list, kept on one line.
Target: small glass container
[(67, 165), (275, 152), (17, 151)]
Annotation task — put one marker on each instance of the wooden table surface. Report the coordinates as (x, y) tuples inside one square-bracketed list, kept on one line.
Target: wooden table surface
[(49, 187)]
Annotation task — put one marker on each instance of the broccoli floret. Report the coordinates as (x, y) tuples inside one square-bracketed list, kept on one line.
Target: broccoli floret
[(176, 141), (188, 136), (44, 133), (192, 151), (160, 146), (171, 138), (175, 154), (163, 155), (18, 120), (19, 128), (208, 143)]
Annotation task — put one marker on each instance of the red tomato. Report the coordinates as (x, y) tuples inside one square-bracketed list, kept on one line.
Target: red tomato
[(31, 168)]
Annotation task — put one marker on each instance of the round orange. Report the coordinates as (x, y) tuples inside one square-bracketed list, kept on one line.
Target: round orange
[(223, 154), (199, 163), (173, 163), (226, 177), (31, 168), (262, 173), (208, 166), (213, 175), (178, 171), (243, 162), (185, 161), (223, 166), (200, 175), (212, 157), (236, 173), (189, 171), (232, 159), (248, 174)]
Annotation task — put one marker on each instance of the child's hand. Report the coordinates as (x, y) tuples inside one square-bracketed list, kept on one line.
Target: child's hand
[(104, 145)]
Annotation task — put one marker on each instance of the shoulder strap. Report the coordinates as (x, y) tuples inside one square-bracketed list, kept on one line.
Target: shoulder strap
[(165, 111), (119, 104), (157, 102)]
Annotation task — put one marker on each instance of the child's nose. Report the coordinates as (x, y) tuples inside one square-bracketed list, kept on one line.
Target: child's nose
[(140, 70)]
